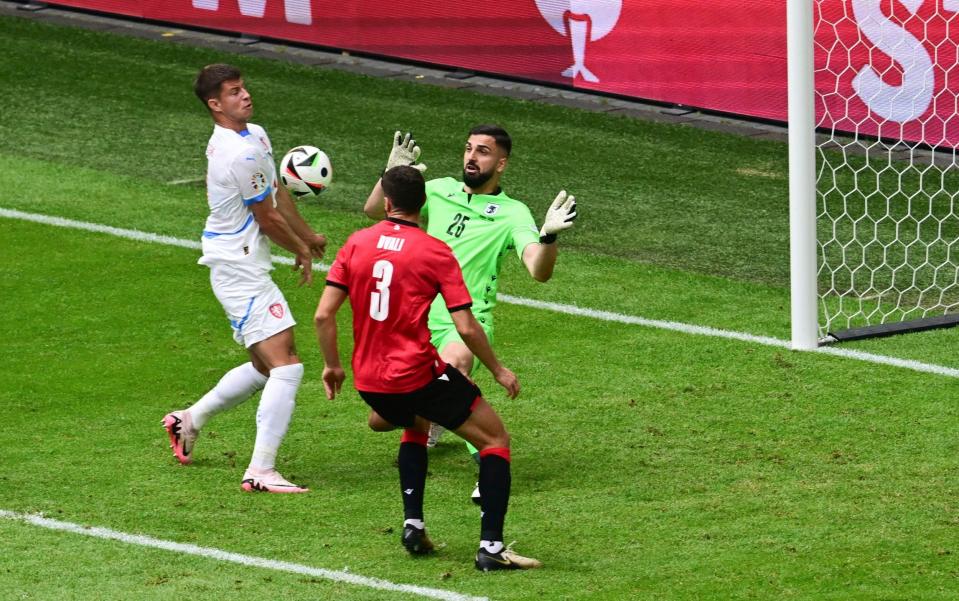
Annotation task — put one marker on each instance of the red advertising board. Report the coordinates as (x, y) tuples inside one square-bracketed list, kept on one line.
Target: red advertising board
[(889, 68), (883, 67)]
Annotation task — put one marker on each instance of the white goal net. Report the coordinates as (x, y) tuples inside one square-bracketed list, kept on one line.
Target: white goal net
[(887, 180)]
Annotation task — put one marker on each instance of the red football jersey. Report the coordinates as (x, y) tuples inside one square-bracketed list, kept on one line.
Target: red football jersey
[(392, 271)]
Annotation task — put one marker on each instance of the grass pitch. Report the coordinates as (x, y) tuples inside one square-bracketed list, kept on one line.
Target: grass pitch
[(648, 464)]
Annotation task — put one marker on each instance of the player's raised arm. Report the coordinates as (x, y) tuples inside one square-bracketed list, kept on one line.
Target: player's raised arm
[(374, 202), (475, 339), (404, 152), (541, 258)]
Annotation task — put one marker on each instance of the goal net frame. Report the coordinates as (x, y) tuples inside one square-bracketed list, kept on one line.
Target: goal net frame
[(855, 281)]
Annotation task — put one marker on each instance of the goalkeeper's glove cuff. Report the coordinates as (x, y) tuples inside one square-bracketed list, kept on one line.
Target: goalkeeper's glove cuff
[(547, 238)]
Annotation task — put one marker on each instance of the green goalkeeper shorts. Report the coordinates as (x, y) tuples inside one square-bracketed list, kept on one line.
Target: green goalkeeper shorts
[(446, 333)]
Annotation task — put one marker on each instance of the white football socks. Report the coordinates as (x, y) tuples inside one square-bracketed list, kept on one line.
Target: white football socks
[(492, 546), (420, 524), (236, 386), (274, 413)]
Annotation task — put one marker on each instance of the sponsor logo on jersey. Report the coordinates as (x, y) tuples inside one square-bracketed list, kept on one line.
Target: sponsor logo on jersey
[(258, 181), (391, 243), (276, 310), (491, 209)]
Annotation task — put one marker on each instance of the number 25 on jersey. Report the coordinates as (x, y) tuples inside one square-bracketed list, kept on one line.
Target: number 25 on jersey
[(459, 224)]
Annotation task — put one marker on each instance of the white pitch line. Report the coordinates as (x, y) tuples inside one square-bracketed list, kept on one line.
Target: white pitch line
[(102, 229), (686, 328), (190, 180), (247, 560), (674, 326)]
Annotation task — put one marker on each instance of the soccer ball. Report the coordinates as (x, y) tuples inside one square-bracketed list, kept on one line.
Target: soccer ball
[(306, 171)]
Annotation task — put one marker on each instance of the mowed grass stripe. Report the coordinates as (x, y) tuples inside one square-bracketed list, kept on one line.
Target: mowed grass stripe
[(676, 223), (666, 194), (699, 330), (238, 558), (648, 464)]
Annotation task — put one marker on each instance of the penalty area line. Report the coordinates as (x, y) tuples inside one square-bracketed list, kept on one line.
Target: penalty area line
[(674, 326), (140, 540)]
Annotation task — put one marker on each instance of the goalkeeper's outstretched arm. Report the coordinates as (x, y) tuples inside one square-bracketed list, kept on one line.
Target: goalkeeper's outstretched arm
[(374, 207), (541, 258), (404, 152)]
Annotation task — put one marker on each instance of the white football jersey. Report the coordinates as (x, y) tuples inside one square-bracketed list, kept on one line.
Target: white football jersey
[(240, 172)]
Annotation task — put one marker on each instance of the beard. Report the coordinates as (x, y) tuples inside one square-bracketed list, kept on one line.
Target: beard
[(475, 180)]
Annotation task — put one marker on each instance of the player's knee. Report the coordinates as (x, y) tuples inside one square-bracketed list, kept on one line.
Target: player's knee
[(463, 363), (459, 356), (500, 439), (259, 365)]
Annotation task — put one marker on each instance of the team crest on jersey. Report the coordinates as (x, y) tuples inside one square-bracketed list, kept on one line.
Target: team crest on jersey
[(258, 181), (491, 209), (276, 310)]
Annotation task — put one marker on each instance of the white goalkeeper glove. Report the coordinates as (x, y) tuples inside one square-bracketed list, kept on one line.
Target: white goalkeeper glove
[(559, 217), (405, 152)]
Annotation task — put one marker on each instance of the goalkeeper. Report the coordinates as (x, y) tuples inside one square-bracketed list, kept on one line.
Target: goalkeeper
[(482, 225)]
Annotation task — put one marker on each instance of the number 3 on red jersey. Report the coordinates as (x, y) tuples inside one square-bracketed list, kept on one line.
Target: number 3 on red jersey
[(380, 300)]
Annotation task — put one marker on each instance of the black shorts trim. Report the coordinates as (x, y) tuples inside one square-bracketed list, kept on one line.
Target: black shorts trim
[(447, 400)]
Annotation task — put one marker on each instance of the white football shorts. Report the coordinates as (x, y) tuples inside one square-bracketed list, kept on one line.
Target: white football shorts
[(253, 303)]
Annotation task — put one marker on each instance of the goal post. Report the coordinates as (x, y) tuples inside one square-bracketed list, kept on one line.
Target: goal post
[(802, 176), (873, 170)]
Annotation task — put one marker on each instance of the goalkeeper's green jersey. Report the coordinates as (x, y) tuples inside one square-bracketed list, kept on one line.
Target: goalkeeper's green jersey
[(481, 229)]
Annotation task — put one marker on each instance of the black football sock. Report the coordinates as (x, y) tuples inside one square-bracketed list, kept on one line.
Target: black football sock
[(494, 483), (412, 461)]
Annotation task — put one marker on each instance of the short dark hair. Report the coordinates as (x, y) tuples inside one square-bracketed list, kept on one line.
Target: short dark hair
[(210, 79), (405, 187), (497, 133)]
